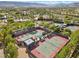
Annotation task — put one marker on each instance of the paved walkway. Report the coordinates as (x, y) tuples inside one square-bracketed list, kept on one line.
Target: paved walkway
[(1, 53)]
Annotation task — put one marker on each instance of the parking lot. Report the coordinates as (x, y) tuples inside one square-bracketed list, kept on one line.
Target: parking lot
[(73, 28)]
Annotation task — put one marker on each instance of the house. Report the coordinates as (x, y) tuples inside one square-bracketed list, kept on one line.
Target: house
[(4, 18), (61, 25), (36, 17), (42, 18), (20, 20)]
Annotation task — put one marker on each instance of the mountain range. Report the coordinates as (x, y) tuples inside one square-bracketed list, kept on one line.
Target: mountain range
[(39, 4)]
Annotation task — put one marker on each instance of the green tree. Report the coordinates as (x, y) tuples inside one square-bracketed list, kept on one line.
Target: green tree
[(67, 21), (57, 29), (8, 39), (11, 50), (45, 24), (9, 43), (66, 51), (10, 20), (66, 32)]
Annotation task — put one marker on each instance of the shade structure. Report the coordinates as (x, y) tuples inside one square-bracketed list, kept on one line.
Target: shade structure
[(29, 41), (50, 47), (29, 35)]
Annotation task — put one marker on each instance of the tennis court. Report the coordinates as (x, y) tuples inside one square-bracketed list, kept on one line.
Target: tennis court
[(50, 47)]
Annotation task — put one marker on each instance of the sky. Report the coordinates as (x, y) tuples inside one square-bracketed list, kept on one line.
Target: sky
[(38, 0)]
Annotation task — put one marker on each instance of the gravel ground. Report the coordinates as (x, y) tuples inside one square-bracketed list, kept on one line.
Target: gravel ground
[(22, 53)]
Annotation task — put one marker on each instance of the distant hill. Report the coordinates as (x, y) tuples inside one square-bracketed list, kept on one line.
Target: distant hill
[(39, 4), (21, 4)]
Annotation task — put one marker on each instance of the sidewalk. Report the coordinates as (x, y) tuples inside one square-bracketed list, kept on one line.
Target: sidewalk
[(1, 53)]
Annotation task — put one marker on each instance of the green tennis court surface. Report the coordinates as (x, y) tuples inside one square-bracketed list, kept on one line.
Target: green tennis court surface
[(46, 49), (50, 46)]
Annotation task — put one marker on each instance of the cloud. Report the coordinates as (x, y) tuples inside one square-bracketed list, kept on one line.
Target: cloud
[(38, 0)]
